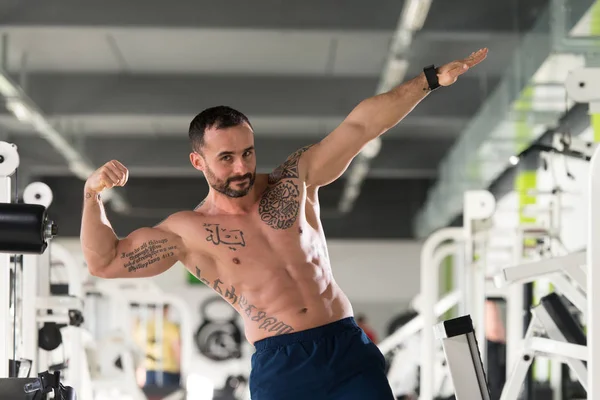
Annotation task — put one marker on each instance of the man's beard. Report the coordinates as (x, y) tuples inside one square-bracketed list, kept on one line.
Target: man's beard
[(225, 186)]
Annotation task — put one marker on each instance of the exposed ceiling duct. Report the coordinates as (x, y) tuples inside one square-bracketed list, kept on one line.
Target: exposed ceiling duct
[(411, 20), (25, 110)]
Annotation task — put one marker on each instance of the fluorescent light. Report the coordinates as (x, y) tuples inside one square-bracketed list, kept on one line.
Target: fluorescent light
[(7, 88), (19, 110), (414, 14), (372, 148), (394, 75)]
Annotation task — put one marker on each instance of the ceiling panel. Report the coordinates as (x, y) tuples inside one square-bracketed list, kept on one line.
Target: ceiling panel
[(360, 53), (189, 94), (120, 126), (148, 50), (226, 51), (239, 14), (272, 96), (55, 49)]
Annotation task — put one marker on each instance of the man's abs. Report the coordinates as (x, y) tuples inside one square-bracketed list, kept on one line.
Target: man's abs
[(274, 301)]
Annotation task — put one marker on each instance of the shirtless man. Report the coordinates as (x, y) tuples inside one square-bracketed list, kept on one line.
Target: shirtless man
[(257, 240)]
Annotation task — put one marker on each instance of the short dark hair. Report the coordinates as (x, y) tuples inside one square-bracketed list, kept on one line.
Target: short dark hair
[(218, 117)]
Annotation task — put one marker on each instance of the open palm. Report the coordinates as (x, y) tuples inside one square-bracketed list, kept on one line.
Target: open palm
[(449, 73)]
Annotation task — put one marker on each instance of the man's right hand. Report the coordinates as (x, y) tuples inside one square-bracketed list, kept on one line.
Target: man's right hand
[(111, 174)]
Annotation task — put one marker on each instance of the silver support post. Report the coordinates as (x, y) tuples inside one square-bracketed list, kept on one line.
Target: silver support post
[(29, 312), (43, 266), (593, 283), (5, 326), (9, 162)]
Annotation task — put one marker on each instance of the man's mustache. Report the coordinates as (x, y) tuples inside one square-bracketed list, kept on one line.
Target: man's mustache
[(239, 178)]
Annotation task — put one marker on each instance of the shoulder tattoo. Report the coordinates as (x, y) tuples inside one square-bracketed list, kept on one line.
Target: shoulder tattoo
[(289, 169)]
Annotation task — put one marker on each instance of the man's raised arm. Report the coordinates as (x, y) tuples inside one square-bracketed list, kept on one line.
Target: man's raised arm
[(326, 161), (143, 253)]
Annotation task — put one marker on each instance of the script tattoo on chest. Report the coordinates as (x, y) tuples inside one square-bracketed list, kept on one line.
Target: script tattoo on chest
[(280, 203), (264, 321), (232, 238)]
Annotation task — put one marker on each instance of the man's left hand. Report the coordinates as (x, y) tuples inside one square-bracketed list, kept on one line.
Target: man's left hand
[(449, 73)]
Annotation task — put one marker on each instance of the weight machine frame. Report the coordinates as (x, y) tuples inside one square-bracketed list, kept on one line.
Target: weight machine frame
[(467, 369), (479, 207), (123, 292), (463, 358), (583, 86), (6, 171), (555, 346)]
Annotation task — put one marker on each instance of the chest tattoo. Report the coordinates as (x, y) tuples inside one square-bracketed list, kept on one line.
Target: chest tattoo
[(232, 238), (280, 203)]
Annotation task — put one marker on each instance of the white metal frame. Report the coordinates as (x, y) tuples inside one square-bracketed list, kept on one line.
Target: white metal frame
[(9, 165), (126, 291), (569, 264), (479, 206), (466, 366), (583, 86), (478, 209), (554, 269), (415, 325), (463, 358), (36, 283), (29, 335), (555, 346), (593, 263)]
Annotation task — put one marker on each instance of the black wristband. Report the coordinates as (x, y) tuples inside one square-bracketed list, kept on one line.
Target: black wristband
[(431, 76)]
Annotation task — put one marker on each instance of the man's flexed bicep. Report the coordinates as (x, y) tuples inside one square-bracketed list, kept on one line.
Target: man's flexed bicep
[(143, 253)]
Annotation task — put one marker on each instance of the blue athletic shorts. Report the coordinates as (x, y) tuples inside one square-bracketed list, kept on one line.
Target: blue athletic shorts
[(334, 361)]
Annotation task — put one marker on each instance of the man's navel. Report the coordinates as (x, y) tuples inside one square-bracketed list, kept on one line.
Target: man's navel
[(236, 260)]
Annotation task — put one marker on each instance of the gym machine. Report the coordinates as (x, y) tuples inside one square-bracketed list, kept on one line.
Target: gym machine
[(553, 331), (26, 231), (466, 369), (582, 86), (47, 313), (479, 206), (564, 272), (117, 342)]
